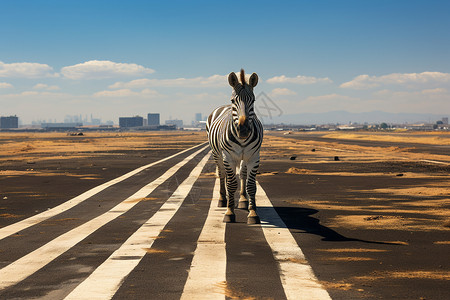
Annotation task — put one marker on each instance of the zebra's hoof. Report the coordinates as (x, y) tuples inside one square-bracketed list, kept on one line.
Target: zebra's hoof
[(222, 203), (253, 220), (243, 205), (229, 219)]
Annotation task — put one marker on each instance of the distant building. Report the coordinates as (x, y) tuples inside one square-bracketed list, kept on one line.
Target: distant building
[(9, 122), (177, 123), (131, 121), (198, 117), (445, 120), (61, 126), (419, 127), (153, 119), (73, 119)]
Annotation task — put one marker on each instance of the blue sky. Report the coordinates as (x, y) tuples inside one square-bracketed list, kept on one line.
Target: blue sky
[(118, 58)]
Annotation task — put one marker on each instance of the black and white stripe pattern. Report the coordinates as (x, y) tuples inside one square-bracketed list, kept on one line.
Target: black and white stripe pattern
[(235, 135)]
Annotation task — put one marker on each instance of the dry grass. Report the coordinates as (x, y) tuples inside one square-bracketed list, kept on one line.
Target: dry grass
[(141, 199), (441, 138), (337, 285), (294, 170), (155, 251), (9, 216), (233, 292), (386, 222), (433, 275), (442, 243), (349, 259), (422, 191), (353, 250), (394, 203), (268, 174), (285, 146), (43, 146), (31, 172)]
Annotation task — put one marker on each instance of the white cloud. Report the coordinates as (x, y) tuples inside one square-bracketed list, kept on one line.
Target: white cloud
[(382, 92), (26, 70), (435, 101), (127, 93), (211, 81), (116, 93), (360, 82), (421, 95), (326, 103), (298, 79), (330, 97), (29, 93), (35, 95), (149, 92), (101, 69), (366, 82), (434, 91), (5, 85), (282, 92), (43, 86)]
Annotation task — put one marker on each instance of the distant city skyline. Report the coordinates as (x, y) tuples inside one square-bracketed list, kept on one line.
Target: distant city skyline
[(115, 59), (326, 118)]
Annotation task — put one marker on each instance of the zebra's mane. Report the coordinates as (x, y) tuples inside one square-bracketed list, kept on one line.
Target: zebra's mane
[(243, 82)]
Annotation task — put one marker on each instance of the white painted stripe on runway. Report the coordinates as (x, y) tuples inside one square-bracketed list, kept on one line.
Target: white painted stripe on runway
[(104, 282), (207, 274), (297, 276), (21, 225), (32, 262)]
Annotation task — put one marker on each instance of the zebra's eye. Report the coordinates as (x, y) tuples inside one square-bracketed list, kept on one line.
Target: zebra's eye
[(233, 100)]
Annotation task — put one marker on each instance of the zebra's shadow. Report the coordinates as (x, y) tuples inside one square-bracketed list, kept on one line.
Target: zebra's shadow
[(301, 219)]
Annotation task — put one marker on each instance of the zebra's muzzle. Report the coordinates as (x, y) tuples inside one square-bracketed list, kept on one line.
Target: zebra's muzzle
[(243, 127)]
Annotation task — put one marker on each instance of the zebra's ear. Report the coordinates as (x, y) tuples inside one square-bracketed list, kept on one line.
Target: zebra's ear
[(253, 81), (232, 79)]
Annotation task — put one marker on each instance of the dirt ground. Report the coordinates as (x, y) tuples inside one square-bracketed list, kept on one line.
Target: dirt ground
[(373, 217), (371, 211), (42, 170), (431, 198), (46, 155)]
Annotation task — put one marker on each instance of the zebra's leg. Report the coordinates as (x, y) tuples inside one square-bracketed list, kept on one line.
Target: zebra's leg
[(221, 174), (252, 217), (243, 200), (230, 169), (223, 193)]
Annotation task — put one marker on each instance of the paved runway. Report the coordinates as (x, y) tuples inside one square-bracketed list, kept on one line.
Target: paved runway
[(136, 237), (155, 232)]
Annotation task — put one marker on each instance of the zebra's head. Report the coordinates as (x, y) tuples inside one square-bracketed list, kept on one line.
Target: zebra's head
[(242, 101)]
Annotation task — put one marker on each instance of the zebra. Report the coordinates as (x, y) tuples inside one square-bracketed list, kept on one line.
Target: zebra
[(235, 135)]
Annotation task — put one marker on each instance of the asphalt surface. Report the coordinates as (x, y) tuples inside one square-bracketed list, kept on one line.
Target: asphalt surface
[(405, 144), (349, 262)]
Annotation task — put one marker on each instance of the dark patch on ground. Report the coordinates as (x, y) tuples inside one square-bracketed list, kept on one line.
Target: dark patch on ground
[(334, 250)]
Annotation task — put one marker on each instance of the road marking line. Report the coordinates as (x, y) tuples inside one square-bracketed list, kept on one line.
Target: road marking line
[(21, 225), (32, 262), (297, 276), (208, 267), (104, 282)]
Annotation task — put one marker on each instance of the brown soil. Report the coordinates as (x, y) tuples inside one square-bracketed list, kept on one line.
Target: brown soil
[(44, 146)]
